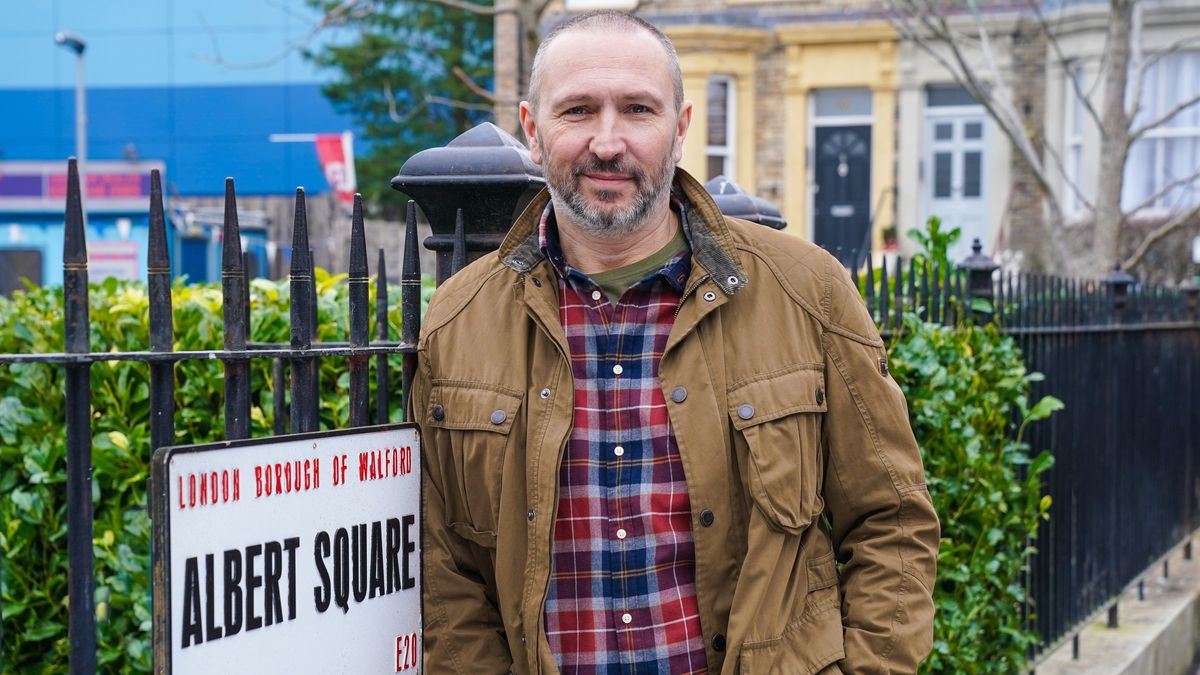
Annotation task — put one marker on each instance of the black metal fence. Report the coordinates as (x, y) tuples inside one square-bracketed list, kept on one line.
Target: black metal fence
[(1124, 358), (299, 359)]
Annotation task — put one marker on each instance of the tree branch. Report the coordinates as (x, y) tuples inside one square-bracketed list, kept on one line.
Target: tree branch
[(391, 103), (1149, 201), (1002, 111), (475, 8), (479, 90), (1159, 232), (341, 15), (1166, 117), (454, 103), (1036, 6)]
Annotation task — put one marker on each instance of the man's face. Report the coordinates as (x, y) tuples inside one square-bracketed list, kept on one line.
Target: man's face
[(606, 131)]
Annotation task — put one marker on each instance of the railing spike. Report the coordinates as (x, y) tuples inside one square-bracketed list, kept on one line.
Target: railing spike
[(360, 410), (382, 399), (303, 411), (234, 301), (162, 332), (410, 298), (80, 571)]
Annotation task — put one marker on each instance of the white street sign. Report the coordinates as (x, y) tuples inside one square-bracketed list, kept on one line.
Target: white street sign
[(296, 554)]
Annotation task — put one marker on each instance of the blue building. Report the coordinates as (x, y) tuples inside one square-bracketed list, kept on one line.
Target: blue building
[(195, 86)]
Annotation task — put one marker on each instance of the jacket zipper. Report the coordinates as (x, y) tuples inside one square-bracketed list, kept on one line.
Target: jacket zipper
[(688, 291)]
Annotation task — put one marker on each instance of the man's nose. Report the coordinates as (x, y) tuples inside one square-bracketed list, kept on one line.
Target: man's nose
[(608, 141)]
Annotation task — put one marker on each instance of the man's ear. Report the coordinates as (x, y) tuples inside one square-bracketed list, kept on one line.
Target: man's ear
[(681, 129), (529, 126)]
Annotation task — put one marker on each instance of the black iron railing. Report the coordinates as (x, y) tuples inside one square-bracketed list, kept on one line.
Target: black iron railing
[(1125, 360)]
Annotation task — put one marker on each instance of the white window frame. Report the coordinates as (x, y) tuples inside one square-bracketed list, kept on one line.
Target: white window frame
[(1161, 136), (727, 152), (1073, 139)]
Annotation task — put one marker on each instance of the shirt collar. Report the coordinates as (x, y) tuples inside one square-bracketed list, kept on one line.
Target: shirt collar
[(674, 271)]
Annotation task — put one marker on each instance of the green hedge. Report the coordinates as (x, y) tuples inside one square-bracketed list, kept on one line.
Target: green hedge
[(33, 558), (964, 388)]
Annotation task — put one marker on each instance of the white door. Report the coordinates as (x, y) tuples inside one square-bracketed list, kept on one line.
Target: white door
[(954, 184)]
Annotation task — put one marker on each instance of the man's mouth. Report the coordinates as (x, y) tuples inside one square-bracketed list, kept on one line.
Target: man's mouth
[(608, 178)]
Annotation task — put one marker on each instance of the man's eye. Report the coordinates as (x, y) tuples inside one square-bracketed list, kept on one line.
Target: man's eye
[(638, 108), (577, 110)]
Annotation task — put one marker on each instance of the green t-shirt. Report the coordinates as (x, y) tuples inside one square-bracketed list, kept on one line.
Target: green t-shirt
[(614, 283)]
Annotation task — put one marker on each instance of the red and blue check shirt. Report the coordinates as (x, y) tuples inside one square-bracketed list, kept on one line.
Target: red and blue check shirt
[(622, 595)]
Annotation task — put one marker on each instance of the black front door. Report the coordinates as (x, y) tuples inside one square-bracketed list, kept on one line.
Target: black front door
[(842, 204)]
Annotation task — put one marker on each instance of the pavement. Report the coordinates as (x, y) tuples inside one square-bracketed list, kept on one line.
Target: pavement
[(1156, 636)]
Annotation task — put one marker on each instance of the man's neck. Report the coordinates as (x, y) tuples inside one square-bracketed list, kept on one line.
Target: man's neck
[(590, 253)]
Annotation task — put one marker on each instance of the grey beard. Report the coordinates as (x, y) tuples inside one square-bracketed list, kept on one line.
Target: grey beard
[(609, 224)]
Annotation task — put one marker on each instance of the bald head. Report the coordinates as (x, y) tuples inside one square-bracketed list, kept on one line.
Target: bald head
[(604, 21)]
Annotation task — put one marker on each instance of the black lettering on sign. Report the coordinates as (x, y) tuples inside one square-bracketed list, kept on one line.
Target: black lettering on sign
[(393, 554), (322, 593), (273, 603), (358, 553), (366, 562), (376, 587), (253, 581), (210, 580), (192, 635), (233, 591), (410, 547), (341, 569), (289, 546)]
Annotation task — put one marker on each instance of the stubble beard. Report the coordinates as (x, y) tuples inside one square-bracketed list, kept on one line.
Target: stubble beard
[(650, 191)]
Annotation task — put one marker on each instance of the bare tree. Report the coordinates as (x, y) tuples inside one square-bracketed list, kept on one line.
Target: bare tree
[(960, 38)]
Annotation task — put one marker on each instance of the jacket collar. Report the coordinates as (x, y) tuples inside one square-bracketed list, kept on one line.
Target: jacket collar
[(712, 246)]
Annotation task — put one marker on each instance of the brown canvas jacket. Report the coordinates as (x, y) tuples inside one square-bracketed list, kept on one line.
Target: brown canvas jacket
[(815, 537)]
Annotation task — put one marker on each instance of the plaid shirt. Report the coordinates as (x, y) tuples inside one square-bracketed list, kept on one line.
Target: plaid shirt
[(622, 595)]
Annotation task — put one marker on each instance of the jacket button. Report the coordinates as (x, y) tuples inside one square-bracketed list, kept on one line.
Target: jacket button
[(820, 396), (499, 416), (530, 515), (545, 393), (439, 412), (745, 411), (678, 394), (883, 368), (706, 517), (718, 643)]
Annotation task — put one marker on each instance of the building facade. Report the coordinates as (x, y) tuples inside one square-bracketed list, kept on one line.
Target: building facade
[(858, 133)]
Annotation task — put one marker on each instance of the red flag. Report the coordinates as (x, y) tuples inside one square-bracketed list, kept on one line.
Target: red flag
[(336, 152)]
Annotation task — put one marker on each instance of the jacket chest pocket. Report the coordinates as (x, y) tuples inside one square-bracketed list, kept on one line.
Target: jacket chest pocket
[(779, 418), (477, 421)]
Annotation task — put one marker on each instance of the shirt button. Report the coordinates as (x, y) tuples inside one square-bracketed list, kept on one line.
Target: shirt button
[(626, 618), (595, 295), (706, 517), (618, 451), (678, 394), (617, 369), (621, 533), (745, 411)]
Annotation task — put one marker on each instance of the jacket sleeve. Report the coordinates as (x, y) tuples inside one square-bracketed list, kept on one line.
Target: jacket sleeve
[(463, 631), (885, 532)]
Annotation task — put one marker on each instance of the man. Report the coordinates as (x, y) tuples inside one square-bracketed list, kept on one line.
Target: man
[(653, 433)]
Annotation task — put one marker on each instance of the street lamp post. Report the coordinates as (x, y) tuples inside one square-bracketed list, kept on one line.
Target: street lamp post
[(77, 44)]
